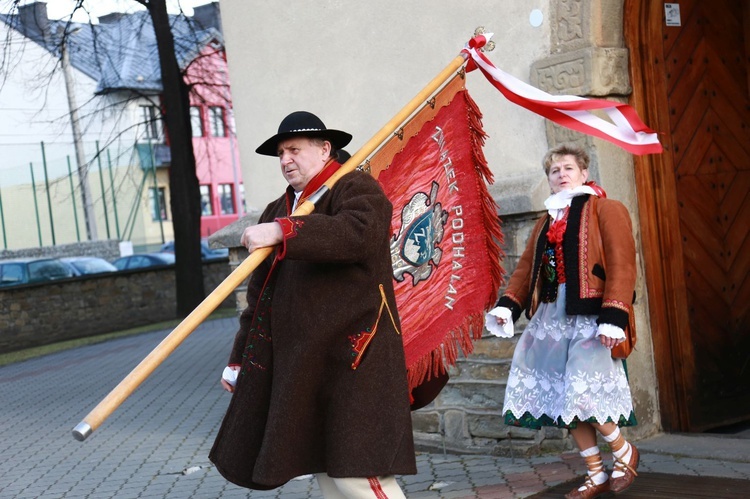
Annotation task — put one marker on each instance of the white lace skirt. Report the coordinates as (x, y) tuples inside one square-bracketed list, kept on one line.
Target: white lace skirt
[(561, 373)]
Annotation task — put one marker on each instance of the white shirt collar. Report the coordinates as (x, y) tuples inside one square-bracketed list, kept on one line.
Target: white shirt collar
[(556, 203), (297, 194)]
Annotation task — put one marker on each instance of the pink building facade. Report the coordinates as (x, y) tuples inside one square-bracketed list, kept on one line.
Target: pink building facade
[(214, 142)]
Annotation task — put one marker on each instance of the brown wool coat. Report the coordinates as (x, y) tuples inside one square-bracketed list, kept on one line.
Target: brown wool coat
[(298, 406), (599, 256)]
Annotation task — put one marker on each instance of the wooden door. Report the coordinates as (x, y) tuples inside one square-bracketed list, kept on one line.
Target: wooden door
[(693, 79)]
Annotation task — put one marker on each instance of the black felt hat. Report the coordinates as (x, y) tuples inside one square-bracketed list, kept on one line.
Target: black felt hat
[(307, 125)]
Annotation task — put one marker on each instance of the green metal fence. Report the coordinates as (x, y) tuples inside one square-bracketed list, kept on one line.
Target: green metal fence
[(41, 186)]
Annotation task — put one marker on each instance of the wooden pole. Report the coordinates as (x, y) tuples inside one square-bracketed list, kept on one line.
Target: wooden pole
[(133, 380)]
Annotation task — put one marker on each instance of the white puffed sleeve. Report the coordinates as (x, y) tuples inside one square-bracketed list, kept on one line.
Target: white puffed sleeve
[(490, 322)]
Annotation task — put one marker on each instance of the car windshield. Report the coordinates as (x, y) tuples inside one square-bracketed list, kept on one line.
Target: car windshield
[(91, 266), (46, 270)]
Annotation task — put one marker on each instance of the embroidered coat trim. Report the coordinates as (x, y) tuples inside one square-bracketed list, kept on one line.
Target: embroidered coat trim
[(593, 286)]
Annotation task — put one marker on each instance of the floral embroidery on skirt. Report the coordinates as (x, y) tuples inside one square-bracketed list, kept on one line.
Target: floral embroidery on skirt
[(561, 373)]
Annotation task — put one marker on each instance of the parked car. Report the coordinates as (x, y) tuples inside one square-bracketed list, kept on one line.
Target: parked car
[(207, 254), (85, 265), (32, 270), (143, 260)]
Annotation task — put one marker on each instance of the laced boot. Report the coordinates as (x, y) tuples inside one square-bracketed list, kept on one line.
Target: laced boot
[(626, 459), (590, 489)]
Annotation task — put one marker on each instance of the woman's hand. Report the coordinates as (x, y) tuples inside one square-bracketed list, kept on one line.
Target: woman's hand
[(609, 342), (610, 335)]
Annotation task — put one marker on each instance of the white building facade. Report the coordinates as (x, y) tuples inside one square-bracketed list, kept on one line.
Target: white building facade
[(356, 64)]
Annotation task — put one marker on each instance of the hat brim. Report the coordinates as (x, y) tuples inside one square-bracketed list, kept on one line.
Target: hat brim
[(337, 138)]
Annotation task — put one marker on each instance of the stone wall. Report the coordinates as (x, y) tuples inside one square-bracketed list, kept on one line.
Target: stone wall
[(40, 314), (107, 249)]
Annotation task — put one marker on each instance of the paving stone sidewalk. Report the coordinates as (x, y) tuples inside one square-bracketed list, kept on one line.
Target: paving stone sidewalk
[(156, 444)]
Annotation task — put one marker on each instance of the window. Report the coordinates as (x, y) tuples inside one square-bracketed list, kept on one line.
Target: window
[(242, 198), (226, 199), (230, 122), (47, 270), (151, 119), (138, 262), (11, 273), (207, 208), (158, 205), (216, 121), (196, 121)]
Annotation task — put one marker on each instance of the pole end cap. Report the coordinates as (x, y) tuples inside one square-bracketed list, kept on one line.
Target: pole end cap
[(82, 431)]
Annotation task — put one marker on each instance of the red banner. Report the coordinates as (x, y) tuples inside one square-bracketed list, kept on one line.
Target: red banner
[(446, 233)]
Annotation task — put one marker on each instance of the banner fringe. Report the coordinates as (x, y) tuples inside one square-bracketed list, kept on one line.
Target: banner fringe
[(444, 356), (491, 219)]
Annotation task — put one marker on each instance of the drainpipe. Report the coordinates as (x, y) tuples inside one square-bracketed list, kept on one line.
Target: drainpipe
[(88, 205)]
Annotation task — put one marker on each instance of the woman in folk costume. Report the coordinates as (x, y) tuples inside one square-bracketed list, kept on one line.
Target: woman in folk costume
[(576, 280)]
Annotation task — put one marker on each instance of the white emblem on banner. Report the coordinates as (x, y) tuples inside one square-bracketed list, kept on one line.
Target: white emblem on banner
[(416, 244)]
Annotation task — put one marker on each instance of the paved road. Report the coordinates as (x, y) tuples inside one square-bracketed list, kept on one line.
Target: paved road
[(156, 444)]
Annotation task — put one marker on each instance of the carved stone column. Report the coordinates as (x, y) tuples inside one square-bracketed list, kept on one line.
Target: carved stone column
[(588, 59)]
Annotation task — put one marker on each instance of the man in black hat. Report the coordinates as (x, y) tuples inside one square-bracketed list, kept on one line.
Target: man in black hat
[(319, 363)]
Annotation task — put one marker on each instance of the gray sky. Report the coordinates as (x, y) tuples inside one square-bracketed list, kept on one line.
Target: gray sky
[(61, 9)]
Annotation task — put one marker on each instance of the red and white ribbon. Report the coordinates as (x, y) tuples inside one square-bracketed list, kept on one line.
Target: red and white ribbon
[(625, 130)]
